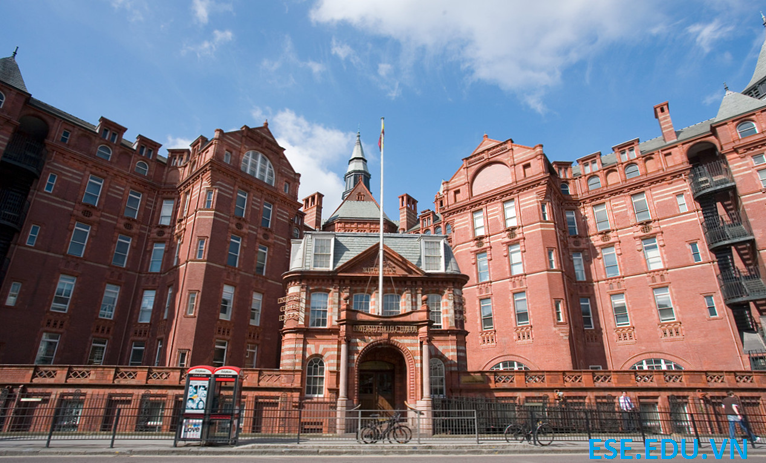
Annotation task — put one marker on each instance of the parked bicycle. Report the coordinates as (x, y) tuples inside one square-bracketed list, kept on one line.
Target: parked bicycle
[(541, 433), (387, 428)]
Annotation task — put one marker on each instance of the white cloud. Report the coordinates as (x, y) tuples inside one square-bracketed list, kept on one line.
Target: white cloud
[(289, 59), (341, 50), (713, 98), (177, 142), (520, 56), (208, 47), (706, 34), (312, 150), (384, 69), (203, 8), (134, 8)]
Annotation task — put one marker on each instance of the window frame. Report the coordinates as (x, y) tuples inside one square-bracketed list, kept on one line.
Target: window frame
[(65, 284), (511, 219), (323, 247), (434, 303), (135, 348), (166, 211), (122, 240), (664, 293), (142, 168), (256, 164), (619, 302), (429, 258), (607, 254), (558, 310), (587, 315), (80, 230), (710, 304), (594, 182), (256, 306), (191, 303), (34, 232), (133, 197), (13, 294), (437, 378), (106, 310), (392, 305), (157, 256), (97, 343), (227, 302), (482, 267), (220, 345), (751, 130), (479, 227), (46, 338), (694, 247), (485, 312), (681, 202), (104, 152), (201, 244), (318, 309), (643, 214), (521, 309), (267, 213), (260, 267), (601, 217), (579, 266), (363, 300), (50, 183), (240, 203), (251, 360), (515, 259), (235, 246), (652, 255), (148, 297), (97, 183), (315, 377), (571, 217), (632, 171)]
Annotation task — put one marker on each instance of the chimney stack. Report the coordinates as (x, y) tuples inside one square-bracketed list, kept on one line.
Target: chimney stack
[(312, 207), (408, 212), (662, 114)]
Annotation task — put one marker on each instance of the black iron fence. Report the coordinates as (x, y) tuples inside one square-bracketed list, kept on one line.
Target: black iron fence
[(110, 417)]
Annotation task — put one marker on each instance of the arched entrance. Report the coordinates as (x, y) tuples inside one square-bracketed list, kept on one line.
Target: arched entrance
[(382, 379)]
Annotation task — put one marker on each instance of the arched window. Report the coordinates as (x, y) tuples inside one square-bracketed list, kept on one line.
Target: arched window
[(437, 378), (434, 302), (142, 168), (594, 183), (631, 170), (438, 230), (315, 378), (510, 365), (565, 188), (656, 364), (257, 165), (2, 99), (448, 229), (427, 232), (296, 233), (104, 152), (746, 129)]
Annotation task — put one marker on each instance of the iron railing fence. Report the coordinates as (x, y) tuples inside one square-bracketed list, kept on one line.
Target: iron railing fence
[(109, 417), (742, 286), (710, 178), (724, 231), (26, 151)]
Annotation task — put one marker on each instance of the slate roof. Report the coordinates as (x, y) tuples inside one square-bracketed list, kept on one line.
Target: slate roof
[(760, 69), (357, 162), (359, 210), (349, 245), (11, 75), (734, 104), (684, 134)]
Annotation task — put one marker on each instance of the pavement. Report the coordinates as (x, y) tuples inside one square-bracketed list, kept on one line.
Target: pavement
[(15, 448)]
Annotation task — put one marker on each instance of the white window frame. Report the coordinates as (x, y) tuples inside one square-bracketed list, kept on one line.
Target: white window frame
[(240, 206), (133, 204), (147, 305), (611, 263), (392, 305), (255, 309), (652, 254), (251, 354), (750, 130), (235, 244), (759, 159), (191, 303), (632, 171), (166, 212), (79, 239), (487, 320), (318, 308), (96, 345), (142, 168), (323, 252), (122, 241), (601, 217), (558, 309), (361, 302), (437, 378), (641, 207), (263, 251), (482, 267), (681, 201), (104, 152), (712, 310), (227, 302), (93, 190), (158, 253), (258, 165), (13, 294), (694, 247), (594, 182), (551, 259), (34, 232), (620, 309), (267, 214), (434, 303), (201, 248), (663, 302), (762, 177), (135, 348), (50, 183), (579, 266), (44, 355), (157, 359), (109, 302), (315, 371), (509, 211), (515, 260), (209, 196), (478, 223), (521, 308), (571, 223), (168, 302), (63, 295), (587, 313), (432, 262)]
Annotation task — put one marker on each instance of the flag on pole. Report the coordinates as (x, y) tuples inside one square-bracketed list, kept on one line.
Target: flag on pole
[(382, 133)]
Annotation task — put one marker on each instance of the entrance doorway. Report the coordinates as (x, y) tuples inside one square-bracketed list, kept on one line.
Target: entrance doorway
[(382, 379)]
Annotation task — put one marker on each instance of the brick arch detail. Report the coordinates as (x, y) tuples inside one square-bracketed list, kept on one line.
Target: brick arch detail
[(503, 358), (663, 355), (409, 361)]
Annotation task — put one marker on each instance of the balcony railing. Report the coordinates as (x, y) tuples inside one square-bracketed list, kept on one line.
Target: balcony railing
[(27, 152), (738, 286), (13, 208), (726, 231), (710, 178)]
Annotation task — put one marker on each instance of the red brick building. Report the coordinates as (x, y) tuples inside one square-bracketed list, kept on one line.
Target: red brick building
[(114, 254)]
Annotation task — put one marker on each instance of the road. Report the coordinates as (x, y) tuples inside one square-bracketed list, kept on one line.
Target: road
[(551, 458)]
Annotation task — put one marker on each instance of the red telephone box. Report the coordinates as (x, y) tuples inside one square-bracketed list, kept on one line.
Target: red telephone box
[(192, 425), (225, 409)]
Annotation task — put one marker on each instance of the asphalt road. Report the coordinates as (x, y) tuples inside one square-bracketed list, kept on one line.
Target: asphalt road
[(555, 458)]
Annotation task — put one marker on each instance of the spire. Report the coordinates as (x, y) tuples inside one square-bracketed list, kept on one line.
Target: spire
[(357, 168), (757, 86), (10, 73)]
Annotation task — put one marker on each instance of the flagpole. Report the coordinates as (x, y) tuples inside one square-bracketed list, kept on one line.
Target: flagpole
[(380, 265)]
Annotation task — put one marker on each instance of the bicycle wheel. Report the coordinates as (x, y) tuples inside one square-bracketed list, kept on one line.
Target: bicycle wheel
[(401, 434), (544, 434), (510, 433), (520, 433), (368, 435)]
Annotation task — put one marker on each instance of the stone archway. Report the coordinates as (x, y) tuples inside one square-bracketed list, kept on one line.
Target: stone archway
[(382, 378)]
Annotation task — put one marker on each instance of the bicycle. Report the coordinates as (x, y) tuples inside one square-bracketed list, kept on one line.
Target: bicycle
[(541, 434), (389, 428)]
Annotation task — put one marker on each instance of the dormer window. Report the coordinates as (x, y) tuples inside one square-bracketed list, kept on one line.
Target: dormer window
[(323, 248), (110, 135), (433, 252), (626, 154), (746, 129), (594, 183)]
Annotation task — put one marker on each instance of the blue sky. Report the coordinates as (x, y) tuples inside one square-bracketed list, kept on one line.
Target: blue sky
[(577, 76)]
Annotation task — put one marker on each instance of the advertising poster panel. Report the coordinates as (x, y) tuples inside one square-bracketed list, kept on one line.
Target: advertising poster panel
[(196, 396)]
